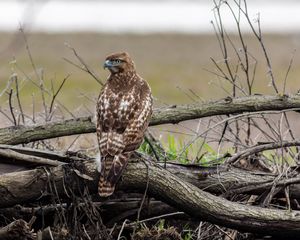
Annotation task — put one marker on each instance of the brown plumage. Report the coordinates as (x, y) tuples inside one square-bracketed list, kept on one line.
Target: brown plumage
[(124, 109)]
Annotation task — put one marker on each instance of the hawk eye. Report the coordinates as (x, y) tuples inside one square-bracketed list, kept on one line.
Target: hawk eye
[(117, 61)]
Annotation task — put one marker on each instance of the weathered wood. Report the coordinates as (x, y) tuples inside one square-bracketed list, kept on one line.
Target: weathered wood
[(33, 157), (218, 179), (17, 229), (112, 211), (224, 106), (24, 134), (173, 114), (13, 156), (262, 147), (30, 185), (197, 203)]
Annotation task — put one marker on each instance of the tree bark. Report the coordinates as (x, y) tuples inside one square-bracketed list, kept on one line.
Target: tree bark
[(197, 203), (17, 229), (30, 185), (112, 211), (173, 114)]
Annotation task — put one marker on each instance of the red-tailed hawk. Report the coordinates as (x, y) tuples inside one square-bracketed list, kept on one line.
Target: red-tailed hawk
[(124, 109)]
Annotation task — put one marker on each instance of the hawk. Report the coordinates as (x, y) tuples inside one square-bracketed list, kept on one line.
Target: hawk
[(124, 108)]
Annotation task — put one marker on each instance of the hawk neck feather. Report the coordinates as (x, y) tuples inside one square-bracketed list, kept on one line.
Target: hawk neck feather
[(123, 80)]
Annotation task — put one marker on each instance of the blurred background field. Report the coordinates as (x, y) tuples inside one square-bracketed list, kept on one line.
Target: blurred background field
[(172, 63)]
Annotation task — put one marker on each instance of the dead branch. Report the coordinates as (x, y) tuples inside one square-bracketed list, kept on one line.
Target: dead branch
[(18, 229), (262, 147), (173, 114), (32, 185), (48, 234), (22, 134), (84, 67), (11, 156), (114, 210), (197, 203), (59, 157), (56, 93), (217, 179), (11, 108)]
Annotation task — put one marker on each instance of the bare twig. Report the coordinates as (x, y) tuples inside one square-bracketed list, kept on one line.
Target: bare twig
[(11, 108), (29, 52), (15, 79), (262, 147), (84, 67), (144, 196), (232, 118), (258, 35), (288, 71), (121, 230), (57, 92), (42, 90)]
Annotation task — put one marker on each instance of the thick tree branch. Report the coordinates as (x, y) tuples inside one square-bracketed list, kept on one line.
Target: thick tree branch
[(224, 107), (197, 203), (174, 114), (217, 179), (30, 185), (23, 134)]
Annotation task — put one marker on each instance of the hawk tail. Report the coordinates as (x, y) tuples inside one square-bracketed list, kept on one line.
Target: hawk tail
[(105, 189), (111, 171)]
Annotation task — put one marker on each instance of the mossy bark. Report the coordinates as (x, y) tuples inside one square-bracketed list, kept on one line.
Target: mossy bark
[(173, 114)]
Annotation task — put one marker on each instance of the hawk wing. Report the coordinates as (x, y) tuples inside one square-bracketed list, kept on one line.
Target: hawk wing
[(121, 125), (133, 135)]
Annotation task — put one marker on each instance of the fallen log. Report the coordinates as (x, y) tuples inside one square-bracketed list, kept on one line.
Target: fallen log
[(31, 185), (218, 179), (173, 114)]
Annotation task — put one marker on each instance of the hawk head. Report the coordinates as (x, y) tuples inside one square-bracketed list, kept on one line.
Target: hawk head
[(119, 62)]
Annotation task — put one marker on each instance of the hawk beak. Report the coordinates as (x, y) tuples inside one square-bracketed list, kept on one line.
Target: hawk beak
[(107, 64)]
